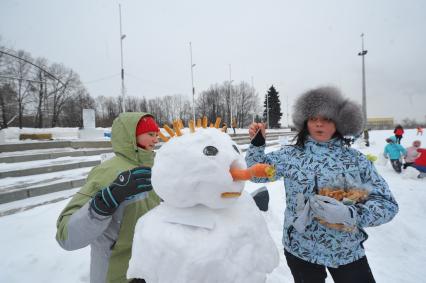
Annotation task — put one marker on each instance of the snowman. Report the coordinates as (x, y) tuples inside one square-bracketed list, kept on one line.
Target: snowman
[(207, 229)]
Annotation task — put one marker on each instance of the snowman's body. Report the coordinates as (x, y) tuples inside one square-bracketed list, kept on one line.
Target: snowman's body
[(195, 235)]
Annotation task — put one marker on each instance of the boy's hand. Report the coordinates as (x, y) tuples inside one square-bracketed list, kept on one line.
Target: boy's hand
[(125, 186)]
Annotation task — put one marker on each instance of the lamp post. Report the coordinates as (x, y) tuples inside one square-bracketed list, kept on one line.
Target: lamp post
[(288, 114), (192, 82), (252, 89), (364, 96), (123, 89), (230, 96), (267, 110)]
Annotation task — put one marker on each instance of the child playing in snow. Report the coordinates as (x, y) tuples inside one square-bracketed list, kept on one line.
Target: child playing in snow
[(399, 131), (103, 214), (420, 163), (323, 117), (419, 131), (394, 151), (412, 154)]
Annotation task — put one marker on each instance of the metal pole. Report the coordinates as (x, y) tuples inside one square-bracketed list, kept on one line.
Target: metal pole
[(267, 110), (364, 95), (192, 82), (31, 63), (123, 89), (230, 96), (288, 114), (252, 89)]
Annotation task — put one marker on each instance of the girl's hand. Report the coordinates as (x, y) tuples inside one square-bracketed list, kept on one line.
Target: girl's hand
[(255, 128)]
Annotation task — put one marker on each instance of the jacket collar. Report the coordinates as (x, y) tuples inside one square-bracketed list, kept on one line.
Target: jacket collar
[(316, 146)]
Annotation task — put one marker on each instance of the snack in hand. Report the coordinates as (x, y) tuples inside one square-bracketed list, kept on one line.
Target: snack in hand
[(347, 196)]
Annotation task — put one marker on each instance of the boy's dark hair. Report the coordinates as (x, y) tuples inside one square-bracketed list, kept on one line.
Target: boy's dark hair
[(303, 134)]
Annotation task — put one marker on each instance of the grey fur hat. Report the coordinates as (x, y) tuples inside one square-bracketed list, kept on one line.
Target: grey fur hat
[(329, 102)]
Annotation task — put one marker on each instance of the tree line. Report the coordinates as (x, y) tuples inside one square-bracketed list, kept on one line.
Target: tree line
[(37, 93)]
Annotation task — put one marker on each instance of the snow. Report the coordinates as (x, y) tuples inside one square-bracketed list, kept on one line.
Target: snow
[(12, 134), (196, 234), (396, 251)]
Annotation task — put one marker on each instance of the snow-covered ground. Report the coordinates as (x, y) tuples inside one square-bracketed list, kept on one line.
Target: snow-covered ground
[(396, 251)]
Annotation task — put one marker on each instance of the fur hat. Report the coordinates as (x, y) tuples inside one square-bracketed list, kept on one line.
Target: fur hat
[(329, 102)]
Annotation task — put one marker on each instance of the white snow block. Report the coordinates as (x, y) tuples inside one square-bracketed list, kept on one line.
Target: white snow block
[(91, 134)]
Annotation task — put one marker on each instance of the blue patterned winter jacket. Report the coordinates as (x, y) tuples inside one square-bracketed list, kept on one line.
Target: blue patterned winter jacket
[(321, 163)]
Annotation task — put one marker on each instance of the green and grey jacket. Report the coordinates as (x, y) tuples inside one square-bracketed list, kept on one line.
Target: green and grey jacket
[(110, 237)]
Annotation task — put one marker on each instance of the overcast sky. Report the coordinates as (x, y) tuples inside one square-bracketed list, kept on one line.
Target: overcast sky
[(293, 45)]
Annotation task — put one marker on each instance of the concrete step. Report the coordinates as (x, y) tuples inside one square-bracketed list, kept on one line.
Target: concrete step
[(32, 155), (10, 147), (19, 194), (48, 169), (51, 182)]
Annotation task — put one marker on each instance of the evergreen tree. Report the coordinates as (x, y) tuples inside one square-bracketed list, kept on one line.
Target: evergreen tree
[(273, 102)]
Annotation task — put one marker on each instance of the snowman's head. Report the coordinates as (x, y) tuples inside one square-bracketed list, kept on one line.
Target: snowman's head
[(194, 169)]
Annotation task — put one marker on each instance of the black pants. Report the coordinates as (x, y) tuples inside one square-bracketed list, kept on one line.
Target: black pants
[(406, 164), (137, 281), (305, 272), (396, 164)]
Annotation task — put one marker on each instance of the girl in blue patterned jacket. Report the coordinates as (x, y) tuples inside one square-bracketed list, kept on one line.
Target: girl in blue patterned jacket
[(323, 117)]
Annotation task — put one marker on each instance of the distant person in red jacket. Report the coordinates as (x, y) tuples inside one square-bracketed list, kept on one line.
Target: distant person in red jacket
[(420, 162), (419, 131), (399, 131)]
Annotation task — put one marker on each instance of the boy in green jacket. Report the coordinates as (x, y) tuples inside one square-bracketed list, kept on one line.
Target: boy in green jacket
[(103, 214)]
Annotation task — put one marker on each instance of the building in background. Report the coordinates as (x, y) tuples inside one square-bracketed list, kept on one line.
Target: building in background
[(380, 123)]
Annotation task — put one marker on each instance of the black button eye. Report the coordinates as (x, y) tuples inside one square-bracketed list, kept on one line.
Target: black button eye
[(236, 148), (210, 150)]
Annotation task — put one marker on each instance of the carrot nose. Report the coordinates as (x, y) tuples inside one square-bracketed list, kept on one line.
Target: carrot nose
[(258, 170)]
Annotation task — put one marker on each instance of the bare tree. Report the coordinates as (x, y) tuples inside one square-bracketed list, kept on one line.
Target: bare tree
[(20, 70), (8, 105), (216, 102), (212, 102), (246, 101), (143, 105), (61, 89), (73, 109), (41, 95), (409, 123)]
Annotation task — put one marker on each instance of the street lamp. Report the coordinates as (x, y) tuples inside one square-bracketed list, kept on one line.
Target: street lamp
[(267, 110), (192, 82), (364, 96), (123, 89), (288, 114), (252, 89), (230, 96)]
